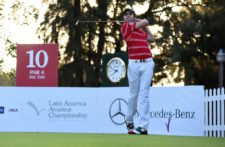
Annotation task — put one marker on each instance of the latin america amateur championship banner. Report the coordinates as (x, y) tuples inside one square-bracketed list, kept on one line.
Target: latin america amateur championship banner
[(173, 110)]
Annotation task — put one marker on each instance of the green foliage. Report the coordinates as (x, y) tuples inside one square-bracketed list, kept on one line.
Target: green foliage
[(11, 47), (7, 79), (1, 5)]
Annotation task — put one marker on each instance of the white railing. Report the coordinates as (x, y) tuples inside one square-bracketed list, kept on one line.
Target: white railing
[(214, 111)]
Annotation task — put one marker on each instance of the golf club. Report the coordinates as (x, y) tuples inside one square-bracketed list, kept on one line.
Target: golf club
[(98, 21)]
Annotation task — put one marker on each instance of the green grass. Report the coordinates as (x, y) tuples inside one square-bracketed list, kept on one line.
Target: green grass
[(104, 140)]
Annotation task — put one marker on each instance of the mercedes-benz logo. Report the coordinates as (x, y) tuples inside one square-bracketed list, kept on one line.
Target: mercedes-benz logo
[(117, 111)]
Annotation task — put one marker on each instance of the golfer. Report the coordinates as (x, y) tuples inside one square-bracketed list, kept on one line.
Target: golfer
[(140, 70)]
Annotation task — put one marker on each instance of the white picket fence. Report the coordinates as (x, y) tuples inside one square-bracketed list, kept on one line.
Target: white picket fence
[(214, 110)]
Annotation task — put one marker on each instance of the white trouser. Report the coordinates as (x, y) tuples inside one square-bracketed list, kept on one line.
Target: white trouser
[(140, 75)]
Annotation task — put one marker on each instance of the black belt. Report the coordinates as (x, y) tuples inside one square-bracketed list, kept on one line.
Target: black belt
[(141, 61)]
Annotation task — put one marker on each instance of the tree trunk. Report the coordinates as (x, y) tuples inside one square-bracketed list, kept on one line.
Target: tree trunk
[(77, 42)]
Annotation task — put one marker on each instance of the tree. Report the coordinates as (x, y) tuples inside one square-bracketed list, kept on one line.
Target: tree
[(86, 42), (191, 38), (192, 31)]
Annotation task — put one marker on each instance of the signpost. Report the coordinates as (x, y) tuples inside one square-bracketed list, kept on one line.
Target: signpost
[(37, 65)]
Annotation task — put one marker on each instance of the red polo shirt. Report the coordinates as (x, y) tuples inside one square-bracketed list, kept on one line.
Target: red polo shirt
[(136, 40)]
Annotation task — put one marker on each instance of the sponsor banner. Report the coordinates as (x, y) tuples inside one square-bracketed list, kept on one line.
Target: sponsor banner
[(37, 65), (173, 110), (178, 111)]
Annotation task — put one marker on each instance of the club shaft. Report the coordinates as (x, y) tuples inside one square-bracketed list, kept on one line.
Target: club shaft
[(98, 21)]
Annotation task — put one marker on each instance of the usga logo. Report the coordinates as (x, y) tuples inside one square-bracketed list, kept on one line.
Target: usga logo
[(1, 110), (13, 110)]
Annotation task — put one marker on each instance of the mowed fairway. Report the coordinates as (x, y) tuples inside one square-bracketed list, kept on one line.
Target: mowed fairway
[(104, 140)]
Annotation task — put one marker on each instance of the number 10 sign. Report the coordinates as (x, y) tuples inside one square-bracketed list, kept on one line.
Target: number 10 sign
[(37, 65)]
